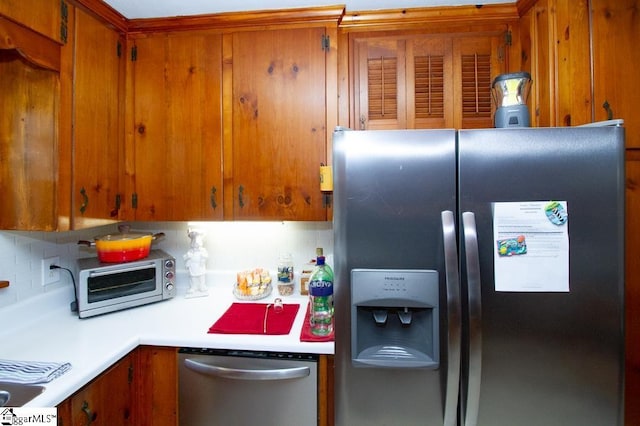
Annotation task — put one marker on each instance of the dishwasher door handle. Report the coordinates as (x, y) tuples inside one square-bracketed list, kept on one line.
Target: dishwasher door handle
[(246, 374)]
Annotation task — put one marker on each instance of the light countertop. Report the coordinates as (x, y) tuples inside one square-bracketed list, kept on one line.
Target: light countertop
[(44, 329)]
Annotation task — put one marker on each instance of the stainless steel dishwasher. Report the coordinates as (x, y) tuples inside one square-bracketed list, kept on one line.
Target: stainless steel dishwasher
[(235, 387)]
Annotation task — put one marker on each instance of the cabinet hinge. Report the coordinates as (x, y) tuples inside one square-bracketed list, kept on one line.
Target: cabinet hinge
[(507, 38), (119, 49), (64, 21), (134, 53), (326, 200), (326, 43), (134, 200)]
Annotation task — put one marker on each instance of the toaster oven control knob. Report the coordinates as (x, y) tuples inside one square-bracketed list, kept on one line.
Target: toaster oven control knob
[(169, 264), (169, 286), (169, 275)]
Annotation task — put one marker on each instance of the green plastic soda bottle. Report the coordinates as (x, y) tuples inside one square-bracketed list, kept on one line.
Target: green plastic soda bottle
[(321, 298)]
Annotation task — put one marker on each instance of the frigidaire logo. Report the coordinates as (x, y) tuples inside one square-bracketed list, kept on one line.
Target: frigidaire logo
[(387, 278)]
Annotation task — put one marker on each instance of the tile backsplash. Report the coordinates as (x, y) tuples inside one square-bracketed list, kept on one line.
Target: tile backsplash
[(232, 246)]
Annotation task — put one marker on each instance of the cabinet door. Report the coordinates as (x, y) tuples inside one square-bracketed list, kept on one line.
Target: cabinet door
[(28, 144), (156, 390), (42, 16), (554, 47), (475, 65), (430, 88), (615, 38), (108, 399), (98, 76), (379, 67), (422, 82), (175, 165), (279, 124)]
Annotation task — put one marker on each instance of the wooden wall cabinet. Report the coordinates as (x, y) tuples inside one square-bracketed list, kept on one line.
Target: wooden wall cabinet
[(45, 17), (64, 124), (29, 102), (91, 123), (425, 81), (571, 86), (174, 138), (553, 45), (275, 96), (616, 37)]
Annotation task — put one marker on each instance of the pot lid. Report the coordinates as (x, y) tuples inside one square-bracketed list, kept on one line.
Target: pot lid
[(123, 236)]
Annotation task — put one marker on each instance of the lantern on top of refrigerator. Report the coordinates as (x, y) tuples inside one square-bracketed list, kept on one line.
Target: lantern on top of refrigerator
[(510, 93)]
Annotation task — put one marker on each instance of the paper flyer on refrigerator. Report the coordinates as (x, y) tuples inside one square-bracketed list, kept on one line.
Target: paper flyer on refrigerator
[(531, 241)]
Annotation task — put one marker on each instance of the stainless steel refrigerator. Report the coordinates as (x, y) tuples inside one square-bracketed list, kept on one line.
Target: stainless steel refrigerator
[(479, 276)]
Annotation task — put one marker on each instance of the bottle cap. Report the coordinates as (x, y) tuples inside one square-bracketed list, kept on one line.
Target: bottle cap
[(320, 260)]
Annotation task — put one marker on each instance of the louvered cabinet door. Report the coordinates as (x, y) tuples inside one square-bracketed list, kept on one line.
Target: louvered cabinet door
[(379, 69), (425, 82), (475, 64), (430, 102)]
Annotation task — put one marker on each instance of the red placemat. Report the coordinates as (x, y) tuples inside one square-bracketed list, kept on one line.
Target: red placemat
[(307, 336), (255, 318)]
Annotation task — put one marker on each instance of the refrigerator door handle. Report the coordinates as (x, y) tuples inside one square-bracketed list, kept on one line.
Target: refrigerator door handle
[(472, 261), (454, 318)]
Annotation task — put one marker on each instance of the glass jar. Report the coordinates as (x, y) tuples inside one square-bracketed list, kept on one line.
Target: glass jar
[(285, 275)]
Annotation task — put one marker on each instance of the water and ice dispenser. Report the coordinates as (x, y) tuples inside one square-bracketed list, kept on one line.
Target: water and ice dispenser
[(395, 318)]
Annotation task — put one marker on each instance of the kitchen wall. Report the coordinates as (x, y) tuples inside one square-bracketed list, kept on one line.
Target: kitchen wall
[(232, 246)]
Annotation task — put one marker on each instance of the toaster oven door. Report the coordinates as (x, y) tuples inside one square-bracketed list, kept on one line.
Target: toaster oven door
[(115, 288)]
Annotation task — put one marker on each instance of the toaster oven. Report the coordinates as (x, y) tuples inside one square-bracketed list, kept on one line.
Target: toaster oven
[(107, 287)]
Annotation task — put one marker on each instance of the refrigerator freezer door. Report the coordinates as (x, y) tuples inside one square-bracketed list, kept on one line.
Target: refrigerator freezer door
[(390, 188), (546, 358)]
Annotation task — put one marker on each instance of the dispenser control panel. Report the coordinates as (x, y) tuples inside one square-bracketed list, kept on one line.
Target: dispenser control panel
[(418, 287), (395, 318)]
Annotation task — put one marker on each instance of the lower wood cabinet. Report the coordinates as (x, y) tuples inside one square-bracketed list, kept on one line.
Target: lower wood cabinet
[(140, 389), (107, 400)]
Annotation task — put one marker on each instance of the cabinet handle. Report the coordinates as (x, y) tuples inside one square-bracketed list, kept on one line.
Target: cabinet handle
[(363, 120), (85, 200), (114, 212), (241, 196), (212, 197), (607, 108), (91, 416)]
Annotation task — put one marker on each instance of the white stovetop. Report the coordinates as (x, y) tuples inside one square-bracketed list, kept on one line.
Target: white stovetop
[(44, 329)]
